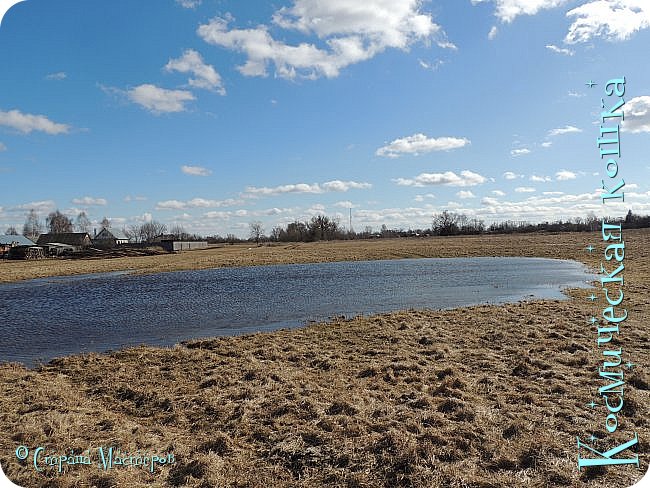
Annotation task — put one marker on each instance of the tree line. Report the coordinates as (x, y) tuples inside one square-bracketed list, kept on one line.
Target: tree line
[(322, 228)]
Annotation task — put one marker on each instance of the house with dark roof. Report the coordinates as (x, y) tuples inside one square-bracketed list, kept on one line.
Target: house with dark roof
[(110, 238)]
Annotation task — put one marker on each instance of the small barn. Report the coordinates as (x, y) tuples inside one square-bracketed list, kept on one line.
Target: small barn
[(65, 242), (108, 238)]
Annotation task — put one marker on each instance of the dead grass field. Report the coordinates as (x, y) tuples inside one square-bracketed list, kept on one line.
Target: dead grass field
[(480, 397)]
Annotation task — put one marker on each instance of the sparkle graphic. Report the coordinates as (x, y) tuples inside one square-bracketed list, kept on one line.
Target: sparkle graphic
[(593, 438), (591, 84), (591, 297), (630, 365), (593, 320), (592, 404), (590, 248)]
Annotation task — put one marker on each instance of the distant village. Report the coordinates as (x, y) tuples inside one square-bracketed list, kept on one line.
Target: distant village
[(63, 241)]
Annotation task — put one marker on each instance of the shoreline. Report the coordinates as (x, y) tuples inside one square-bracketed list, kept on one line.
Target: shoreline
[(475, 396), (497, 245)]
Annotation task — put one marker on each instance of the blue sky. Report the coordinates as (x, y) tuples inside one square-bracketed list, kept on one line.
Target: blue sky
[(212, 114)]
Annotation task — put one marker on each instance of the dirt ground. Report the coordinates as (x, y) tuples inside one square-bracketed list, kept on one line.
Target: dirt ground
[(483, 396)]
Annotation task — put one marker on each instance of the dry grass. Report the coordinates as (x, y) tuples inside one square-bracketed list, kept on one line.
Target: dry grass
[(475, 397)]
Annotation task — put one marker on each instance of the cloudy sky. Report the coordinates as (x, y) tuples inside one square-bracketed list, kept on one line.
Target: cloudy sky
[(215, 113)]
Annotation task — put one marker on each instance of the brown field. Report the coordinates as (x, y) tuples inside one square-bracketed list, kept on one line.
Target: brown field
[(484, 396)]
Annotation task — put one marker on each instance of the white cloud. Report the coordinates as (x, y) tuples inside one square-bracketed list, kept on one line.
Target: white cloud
[(613, 20), (345, 204), (196, 170), (56, 76), (27, 123), (2, 147), (576, 94), (316, 188), (637, 115), (493, 32), (553, 193), (465, 194), (567, 129), (432, 66), (422, 198), (349, 32), (519, 152), (196, 203), (560, 50), (509, 175), (524, 189), (508, 10), (418, 144), (189, 3), (41, 206), (565, 175), (159, 100), (499, 193), (137, 198), (449, 178), (90, 201), (540, 179), (205, 75), (546, 144)]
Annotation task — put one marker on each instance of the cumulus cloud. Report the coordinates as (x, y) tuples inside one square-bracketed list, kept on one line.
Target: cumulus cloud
[(159, 100), (615, 20), (348, 32), (449, 178), (464, 194), (90, 201), (493, 32), (560, 50), (27, 123), (509, 175), (499, 193), (196, 170), (56, 76), (508, 10), (525, 189), (328, 186), (189, 3), (196, 203), (205, 76), (519, 152), (637, 115), (540, 179), (40, 206), (567, 129), (418, 144), (565, 175), (2, 147)]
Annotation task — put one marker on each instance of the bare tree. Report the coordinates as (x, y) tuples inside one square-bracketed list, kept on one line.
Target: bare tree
[(58, 223), (256, 231), (134, 233), (11, 231), (150, 230), (33, 227), (179, 232), (106, 224), (83, 224)]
